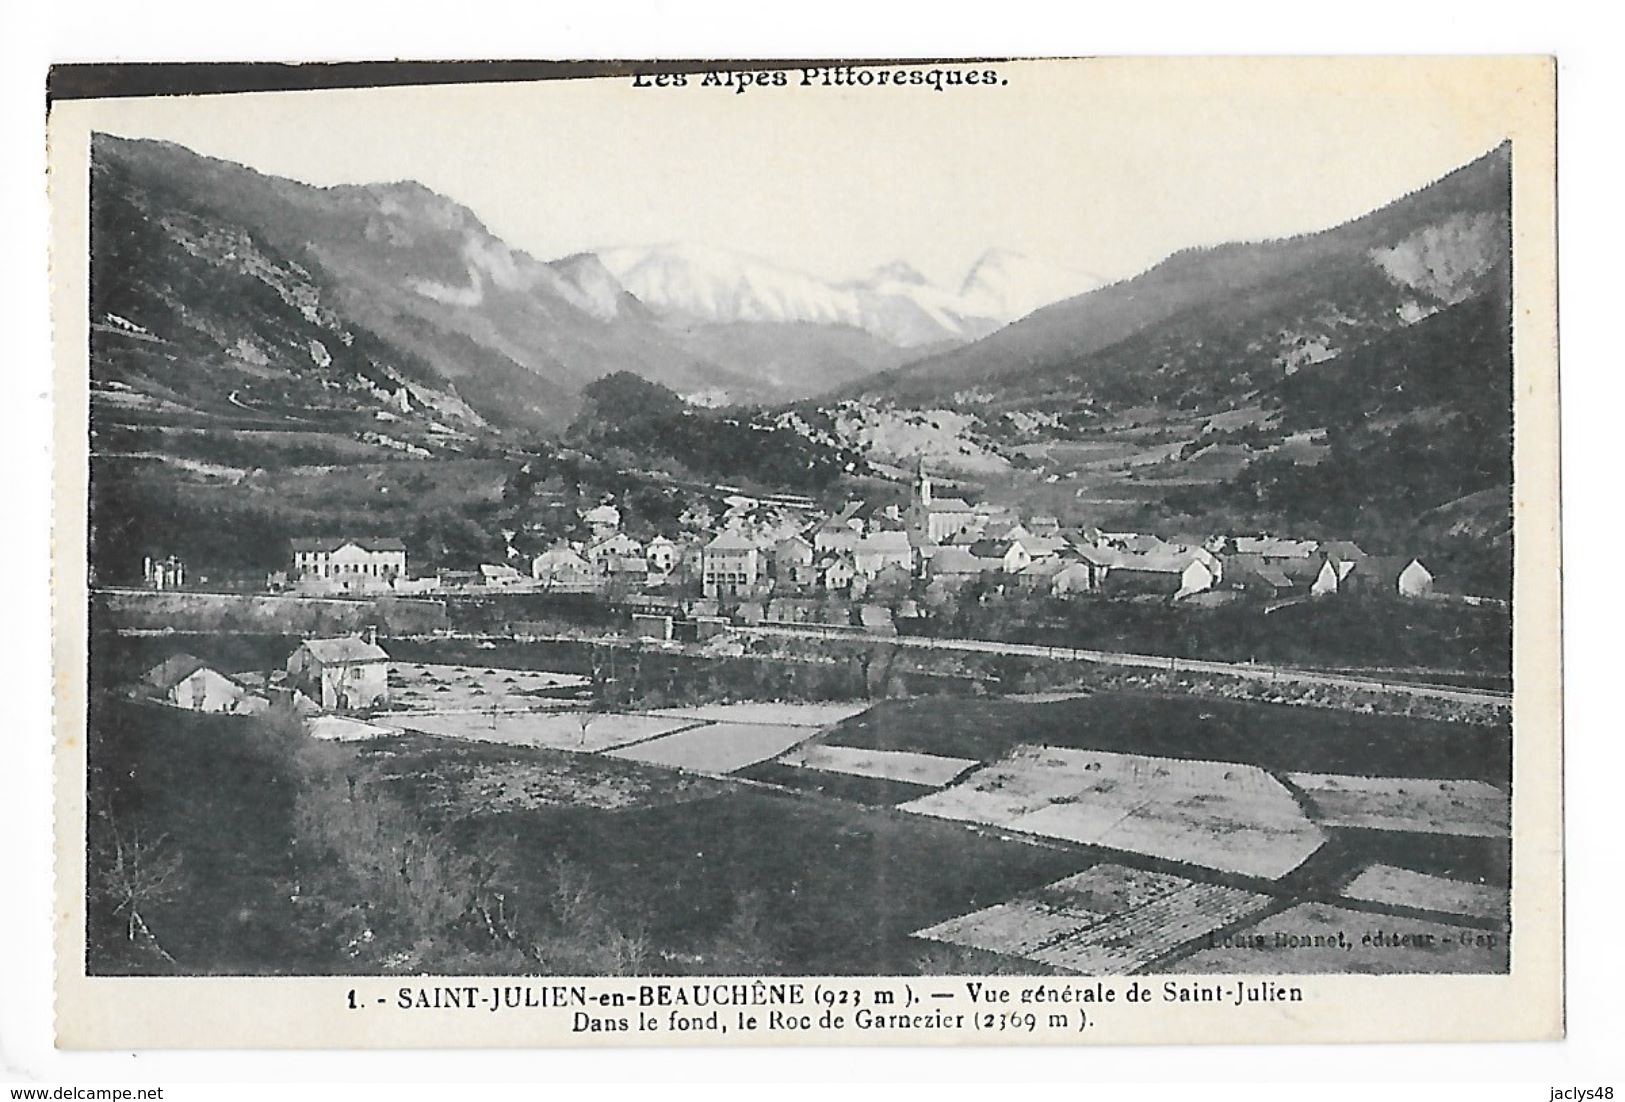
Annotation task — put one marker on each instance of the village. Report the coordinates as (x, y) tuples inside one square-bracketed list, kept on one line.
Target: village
[(864, 566)]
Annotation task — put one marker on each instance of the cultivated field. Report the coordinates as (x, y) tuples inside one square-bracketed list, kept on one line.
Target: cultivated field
[(1396, 887), (582, 731), (716, 747), (433, 687), (1106, 921), (891, 765), (1220, 815), (1091, 834), (1408, 803)]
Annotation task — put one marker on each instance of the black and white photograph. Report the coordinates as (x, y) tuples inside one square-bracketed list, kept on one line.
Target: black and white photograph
[(927, 520)]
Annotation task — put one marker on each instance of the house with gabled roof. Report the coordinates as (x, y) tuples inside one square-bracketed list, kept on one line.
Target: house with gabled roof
[(1274, 549), (1039, 576), (956, 565), (874, 552), (836, 572), (1339, 558), (499, 574), (345, 673), (347, 563), (186, 681), (562, 567), (839, 532), (731, 565), (1393, 575), (618, 543), (1010, 554)]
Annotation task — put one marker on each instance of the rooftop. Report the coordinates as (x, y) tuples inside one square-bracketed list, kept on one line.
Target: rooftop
[(345, 649), (333, 543)]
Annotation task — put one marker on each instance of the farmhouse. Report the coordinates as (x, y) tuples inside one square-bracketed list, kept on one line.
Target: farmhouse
[(840, 532), (878, 550), (499, 574), (793, 563), (1270, 578), (1011, 554), (1392, 575), (1077, 577), (618, 544), (602, 518), (348, 563), (1171, 570), (188, 682), (1275, 551), (1198, 577), (341, 674), (955, 564), (836, 572), (626, 572), (561, 568), (1341, 558), (1039, 576)]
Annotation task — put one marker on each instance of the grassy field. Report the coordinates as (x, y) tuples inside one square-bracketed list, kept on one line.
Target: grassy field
[(196, 783), (839, 887), (1270, 735)]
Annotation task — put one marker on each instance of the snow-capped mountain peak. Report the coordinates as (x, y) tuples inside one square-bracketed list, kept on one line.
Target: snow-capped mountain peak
[(898, 271), (702, 283), (717, 285)]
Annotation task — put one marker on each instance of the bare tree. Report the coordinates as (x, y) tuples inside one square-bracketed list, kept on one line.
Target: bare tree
[(130, 873)]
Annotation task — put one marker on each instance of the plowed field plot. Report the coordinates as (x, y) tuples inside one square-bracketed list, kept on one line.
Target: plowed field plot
[(1398, 887), (772, 712), (418, 687), (890, 765), (1105, 921), (1320, 939), (870, 791), (1216, 814), (716, 747), (554, 730), (1408, 803), (449, 781)]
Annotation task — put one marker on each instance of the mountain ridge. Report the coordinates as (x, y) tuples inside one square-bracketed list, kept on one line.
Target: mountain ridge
[(425, 274), (1063, 335)]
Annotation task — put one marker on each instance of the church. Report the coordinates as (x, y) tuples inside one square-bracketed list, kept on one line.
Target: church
[(940, 518)]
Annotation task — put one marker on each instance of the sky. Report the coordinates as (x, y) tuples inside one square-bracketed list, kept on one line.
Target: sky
[(1103, 165)]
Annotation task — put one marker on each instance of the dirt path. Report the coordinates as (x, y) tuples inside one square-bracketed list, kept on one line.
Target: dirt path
[(1249, 671)]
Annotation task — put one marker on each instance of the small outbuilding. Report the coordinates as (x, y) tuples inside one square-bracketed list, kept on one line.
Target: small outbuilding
[(186, 681)]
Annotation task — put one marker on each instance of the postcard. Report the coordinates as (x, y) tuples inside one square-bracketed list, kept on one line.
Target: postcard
[(854, 552)]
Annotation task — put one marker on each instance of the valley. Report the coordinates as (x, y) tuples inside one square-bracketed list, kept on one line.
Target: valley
[(639, 611)]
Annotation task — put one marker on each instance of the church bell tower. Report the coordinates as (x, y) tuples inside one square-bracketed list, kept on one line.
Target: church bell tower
[(922, 483)]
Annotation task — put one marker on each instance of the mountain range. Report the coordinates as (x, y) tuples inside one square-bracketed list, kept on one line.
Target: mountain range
[(1216, 324), (252, 273), (1382, 344), (895, 302)]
